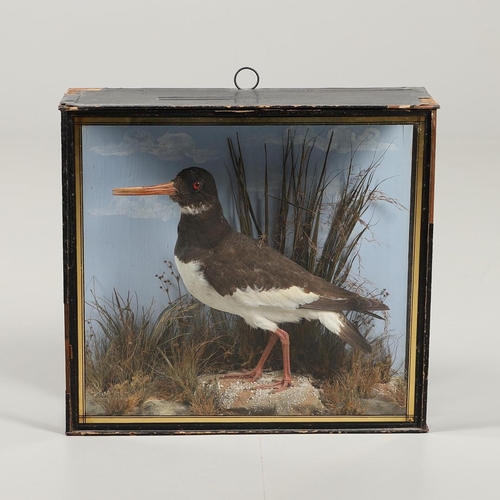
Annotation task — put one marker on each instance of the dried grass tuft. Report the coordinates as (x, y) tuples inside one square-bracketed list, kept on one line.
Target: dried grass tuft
[(125, 397), (206, 400)]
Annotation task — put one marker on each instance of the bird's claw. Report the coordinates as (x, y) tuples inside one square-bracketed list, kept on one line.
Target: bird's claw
[(277, 386), (255, 375), (251, 375)]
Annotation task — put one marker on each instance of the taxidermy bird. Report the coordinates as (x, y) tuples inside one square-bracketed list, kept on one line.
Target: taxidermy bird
[(232, 272)]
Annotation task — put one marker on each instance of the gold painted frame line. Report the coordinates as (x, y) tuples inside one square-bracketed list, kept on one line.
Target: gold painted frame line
[(79, 264), (418, 159), (243, 419), (415, 271), (245, 120)]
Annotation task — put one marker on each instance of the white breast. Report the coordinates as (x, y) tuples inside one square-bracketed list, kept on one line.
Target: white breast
[(259, 308), (198, 287)]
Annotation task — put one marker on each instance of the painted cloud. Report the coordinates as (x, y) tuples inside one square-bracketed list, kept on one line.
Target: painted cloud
[(345, 139), (172, 147), (138, 208)]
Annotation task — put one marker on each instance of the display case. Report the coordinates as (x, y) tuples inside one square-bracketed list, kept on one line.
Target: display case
[(171, 328)]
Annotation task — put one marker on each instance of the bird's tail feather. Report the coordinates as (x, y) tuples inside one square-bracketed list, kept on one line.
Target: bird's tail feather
[(338, 324)]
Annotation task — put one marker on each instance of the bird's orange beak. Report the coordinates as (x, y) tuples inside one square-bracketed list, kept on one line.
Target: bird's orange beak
[(159, 189)]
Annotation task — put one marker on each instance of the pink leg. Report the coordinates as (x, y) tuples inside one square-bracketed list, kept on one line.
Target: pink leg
[(256, 373), (287, 375)]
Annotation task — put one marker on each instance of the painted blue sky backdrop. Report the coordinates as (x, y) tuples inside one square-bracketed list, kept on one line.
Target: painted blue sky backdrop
[(127, 239)]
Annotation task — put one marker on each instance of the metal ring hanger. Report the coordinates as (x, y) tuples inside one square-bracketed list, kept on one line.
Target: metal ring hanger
[(236, 78)]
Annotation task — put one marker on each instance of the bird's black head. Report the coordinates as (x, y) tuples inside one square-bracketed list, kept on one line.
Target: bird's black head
[(195, 190)]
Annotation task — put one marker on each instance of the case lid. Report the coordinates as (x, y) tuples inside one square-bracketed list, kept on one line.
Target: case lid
[(111, 98)]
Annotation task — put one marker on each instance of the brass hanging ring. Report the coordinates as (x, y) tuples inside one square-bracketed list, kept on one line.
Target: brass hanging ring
[(239, 71)]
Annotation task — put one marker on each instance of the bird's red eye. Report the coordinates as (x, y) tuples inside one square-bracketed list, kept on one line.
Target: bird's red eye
[(196, 185)]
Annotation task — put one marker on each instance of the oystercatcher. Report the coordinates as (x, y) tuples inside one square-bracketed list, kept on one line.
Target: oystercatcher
[(232, 272)]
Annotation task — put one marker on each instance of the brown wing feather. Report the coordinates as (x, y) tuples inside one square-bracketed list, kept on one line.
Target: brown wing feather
[(348, 333), (265, 268), (355, 303)]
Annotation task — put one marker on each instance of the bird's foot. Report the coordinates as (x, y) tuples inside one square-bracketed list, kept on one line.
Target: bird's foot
[(250, 375), (283, 384), (255, 375)]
